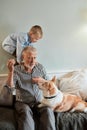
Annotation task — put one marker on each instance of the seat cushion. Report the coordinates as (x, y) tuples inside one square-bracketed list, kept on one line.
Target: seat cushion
[(7, 119)]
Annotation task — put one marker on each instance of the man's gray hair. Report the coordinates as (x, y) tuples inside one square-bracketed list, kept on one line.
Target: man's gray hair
[(29, 49)]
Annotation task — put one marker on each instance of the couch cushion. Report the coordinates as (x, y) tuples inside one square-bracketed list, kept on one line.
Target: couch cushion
[(75, 83), (7, 119), (2, 80), (71, 121), (6, 97)]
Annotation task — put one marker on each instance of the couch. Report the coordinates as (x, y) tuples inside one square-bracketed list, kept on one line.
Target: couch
[(64, 120), (7, 112)]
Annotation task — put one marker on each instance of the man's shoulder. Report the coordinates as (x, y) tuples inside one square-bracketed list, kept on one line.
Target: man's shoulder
[(40, 66)]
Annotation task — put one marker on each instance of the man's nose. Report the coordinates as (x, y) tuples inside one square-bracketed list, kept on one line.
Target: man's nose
[(32, 60)]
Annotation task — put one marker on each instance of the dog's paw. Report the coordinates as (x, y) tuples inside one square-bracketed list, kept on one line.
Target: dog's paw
[(72, 110), (85, 110), (40, 105)]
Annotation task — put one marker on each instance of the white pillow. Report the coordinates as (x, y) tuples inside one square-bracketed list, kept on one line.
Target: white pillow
[(75, 83)]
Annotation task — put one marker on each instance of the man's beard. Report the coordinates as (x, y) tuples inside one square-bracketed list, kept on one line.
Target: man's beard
[(27, 66)]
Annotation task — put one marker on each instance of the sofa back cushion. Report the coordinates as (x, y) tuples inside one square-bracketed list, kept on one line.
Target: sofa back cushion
[(75, 83), (6, 97)]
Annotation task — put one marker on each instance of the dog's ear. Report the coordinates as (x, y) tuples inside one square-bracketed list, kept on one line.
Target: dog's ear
[(54, 79)]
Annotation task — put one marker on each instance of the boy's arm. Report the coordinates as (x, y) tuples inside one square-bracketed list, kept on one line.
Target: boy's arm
[(9, 43)]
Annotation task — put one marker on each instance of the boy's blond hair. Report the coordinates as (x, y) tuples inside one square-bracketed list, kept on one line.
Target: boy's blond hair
[(36, 29)]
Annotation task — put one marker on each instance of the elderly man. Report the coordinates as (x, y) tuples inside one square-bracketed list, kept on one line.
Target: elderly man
[(25, 78)]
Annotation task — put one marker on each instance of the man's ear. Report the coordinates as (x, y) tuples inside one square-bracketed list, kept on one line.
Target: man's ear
[(54, 79)]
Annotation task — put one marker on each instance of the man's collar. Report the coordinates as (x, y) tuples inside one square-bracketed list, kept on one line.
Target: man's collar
[(28, 38)]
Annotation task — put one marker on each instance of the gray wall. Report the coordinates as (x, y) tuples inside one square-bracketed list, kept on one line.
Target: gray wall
[(64, 23)]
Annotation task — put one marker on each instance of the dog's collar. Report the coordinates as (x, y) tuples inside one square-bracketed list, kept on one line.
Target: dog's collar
[(50, 97)]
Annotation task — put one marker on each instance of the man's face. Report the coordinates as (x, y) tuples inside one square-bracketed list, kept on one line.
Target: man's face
[(29, 59)]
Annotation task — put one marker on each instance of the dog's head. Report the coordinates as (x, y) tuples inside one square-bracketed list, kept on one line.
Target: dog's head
[(49, 86)]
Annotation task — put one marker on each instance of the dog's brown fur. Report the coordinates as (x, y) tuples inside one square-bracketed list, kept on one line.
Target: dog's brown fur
[(68, 103)]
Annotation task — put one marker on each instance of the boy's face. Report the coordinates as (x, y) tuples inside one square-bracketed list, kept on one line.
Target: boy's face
[(34, 37)]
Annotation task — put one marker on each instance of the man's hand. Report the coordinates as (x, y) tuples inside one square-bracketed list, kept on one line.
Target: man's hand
[(38, 80), (10, 64)]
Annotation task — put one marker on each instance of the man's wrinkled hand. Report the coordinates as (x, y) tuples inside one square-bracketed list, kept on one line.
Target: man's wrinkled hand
[(10, 64)]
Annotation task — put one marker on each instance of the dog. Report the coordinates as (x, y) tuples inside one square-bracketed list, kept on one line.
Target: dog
[(59, 101)]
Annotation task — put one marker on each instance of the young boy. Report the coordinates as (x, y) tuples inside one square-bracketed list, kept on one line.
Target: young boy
[(16, 42)]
